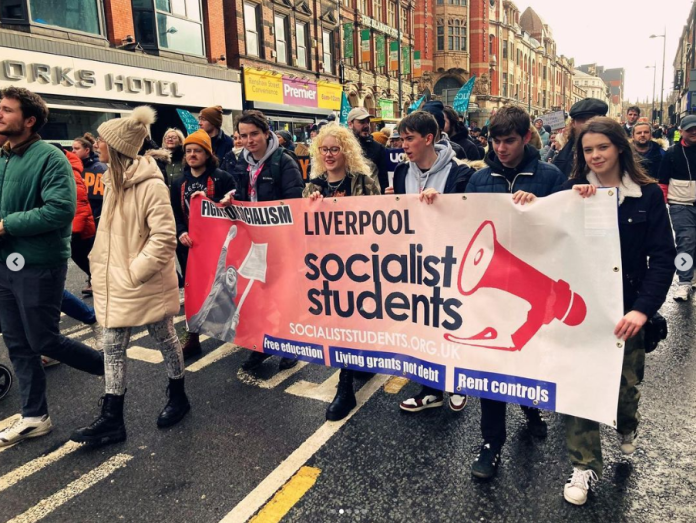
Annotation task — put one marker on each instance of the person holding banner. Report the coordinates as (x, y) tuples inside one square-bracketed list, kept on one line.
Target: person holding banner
[(514, 167), (201, 175), (264, 172), (431, 169), (134, 273), (339, 169), (605, 158)]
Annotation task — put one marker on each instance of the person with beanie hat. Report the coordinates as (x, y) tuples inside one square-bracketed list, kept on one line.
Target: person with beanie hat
[(37, 206), (437, 109), (380, 138), (133, 272), (201, 175), (210, 120)]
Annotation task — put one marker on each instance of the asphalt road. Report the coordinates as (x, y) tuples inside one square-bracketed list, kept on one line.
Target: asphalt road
[(245, 437)]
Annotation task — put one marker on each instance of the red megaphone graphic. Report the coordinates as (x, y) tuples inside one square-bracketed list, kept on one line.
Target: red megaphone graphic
[(487, 264)]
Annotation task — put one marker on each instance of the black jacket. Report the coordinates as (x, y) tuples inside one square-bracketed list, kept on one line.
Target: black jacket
[(676, 164), (471, 152), (377, 154), (223, 182), (645, 232), (457, 179), (222, 144), (565, 159), (289, 185), (652, 159)]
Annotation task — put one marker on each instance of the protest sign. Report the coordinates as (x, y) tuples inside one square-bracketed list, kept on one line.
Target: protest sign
[(556, 120), (472, 294), (394, 158)]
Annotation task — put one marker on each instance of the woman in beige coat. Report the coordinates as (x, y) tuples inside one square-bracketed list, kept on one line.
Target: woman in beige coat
[(133, 272)]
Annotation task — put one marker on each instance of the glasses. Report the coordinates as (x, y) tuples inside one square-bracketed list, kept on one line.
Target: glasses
[(98, 140), (326, 150)]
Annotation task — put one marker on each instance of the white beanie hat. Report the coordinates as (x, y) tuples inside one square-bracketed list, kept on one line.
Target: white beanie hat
[(126, 135)]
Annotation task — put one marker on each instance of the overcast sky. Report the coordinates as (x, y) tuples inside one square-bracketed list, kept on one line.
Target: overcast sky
[(616, 33)]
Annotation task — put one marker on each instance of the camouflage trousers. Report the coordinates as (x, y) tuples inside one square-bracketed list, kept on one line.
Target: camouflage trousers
[(582, 436)]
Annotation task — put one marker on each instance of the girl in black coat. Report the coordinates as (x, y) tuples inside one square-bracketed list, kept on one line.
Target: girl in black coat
[(605, 158)]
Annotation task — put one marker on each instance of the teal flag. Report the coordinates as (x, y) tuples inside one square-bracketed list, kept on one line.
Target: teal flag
[(415, 105), (189, 121), (345, 109), (461, 100)]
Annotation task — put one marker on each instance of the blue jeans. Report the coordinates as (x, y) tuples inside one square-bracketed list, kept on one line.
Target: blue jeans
[(77, 309), (684, 225)]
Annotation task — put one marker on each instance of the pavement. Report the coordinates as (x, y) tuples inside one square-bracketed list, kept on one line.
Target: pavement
[(258, 446)]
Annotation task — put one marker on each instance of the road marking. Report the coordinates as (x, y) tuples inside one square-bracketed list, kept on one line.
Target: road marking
[(395, 384), (318, 391), (144, 354), (76, 330), (288, 496), (276, 479), (210, 358), (46, 506), (250, 379), (35, 465)]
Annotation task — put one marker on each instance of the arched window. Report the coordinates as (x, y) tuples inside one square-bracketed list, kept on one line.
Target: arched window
[(446, 83)]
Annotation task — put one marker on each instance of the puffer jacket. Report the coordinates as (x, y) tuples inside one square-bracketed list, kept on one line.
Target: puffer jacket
[(133, 261), (83, 223)]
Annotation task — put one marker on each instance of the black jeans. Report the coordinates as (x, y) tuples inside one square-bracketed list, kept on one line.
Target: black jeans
[(80, 251), (30, 301), (493, 421)]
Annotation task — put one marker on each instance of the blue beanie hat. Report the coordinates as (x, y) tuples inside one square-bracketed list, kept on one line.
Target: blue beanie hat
[(438, 111)]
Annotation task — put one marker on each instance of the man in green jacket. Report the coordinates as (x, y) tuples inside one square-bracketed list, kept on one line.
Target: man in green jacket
[(37, 206)]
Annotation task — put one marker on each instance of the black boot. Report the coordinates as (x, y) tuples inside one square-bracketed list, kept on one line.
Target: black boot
[(107, 428), (344, 401), (255, 360), (177, 406), (192, 346)]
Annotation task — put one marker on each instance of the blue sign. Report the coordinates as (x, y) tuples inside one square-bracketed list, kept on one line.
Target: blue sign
[(190, 122), (461, 100), (299, 350), (345, 109)]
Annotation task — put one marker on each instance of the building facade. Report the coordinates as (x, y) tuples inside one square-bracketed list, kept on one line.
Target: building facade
[(92, 60), (513, 56), (684, 85), (593, 86)]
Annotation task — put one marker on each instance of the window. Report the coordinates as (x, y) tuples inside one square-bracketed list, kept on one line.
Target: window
[(391, 14), (505, 49), (327, 47), (377, 10), (301, 40), (363, 7), (440, 34), (404, 22), (456, 35), (177, 25), (251, 29), (505, 84), (78, 15), (440, 2), (491, 40), (456, 2), (280, 23)]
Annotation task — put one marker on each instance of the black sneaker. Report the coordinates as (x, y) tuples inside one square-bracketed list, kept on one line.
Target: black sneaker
[(485, 466), (255, 360), (535, 423), (287, 363)]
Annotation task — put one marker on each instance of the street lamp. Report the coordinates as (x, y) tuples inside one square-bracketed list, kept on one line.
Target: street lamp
[(662, 90), (652, 114)]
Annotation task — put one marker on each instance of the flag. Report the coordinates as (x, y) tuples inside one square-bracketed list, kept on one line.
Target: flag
[(415, 105), (461, 100), (345, 109)]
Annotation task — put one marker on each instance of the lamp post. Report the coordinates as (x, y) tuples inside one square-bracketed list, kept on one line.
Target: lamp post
[(652, 114), (662, 89)]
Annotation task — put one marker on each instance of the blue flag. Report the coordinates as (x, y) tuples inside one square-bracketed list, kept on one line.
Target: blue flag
[(461, 100), (189, 121), (345, 109), (415, 105)]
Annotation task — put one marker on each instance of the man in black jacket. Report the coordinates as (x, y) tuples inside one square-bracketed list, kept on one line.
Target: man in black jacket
[(650, 152), (632, 115), (264, 172), (210, 120), (359, 123), (579, 114)]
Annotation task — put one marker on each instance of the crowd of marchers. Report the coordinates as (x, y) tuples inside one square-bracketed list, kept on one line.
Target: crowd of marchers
[(129, 233)]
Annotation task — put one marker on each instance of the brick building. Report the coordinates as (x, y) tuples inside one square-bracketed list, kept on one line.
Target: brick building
[(512, 54), (93, 60)]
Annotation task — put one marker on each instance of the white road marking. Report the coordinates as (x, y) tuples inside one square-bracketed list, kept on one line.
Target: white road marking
[(316, 391), (276, 380), (258, 497), (210, 358), (143, 354), (46, 506), (35, 465)]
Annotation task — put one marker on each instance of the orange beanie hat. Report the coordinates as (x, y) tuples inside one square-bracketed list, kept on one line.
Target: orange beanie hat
[(200, 137)]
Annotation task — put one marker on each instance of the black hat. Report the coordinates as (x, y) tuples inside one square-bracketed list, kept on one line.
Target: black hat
[(436, 108), (688, 122), (285, 134), (588, 108)]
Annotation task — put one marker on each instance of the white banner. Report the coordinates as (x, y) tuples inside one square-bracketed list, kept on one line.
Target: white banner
[(556, 120)]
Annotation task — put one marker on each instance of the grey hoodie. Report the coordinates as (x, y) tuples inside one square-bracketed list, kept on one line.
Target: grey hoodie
[(254, 165), (436, 177)]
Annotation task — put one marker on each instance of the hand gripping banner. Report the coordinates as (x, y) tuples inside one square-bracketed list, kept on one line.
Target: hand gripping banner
[(472, 294)]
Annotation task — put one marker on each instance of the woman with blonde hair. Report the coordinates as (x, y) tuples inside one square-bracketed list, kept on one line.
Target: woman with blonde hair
[(134, 272), (173, 141), (338, 166), (339, 169)]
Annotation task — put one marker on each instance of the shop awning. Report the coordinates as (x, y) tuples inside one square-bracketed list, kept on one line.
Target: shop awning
[(86, 104)]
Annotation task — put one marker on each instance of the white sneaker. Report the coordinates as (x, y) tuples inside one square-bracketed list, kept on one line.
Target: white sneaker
[(579, 484), (457, 402), (23, 429), (421, 401), (629, 442), (682, 293)]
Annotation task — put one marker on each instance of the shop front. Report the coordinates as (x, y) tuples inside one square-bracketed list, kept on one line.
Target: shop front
[(82, 94), (292, 104)]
